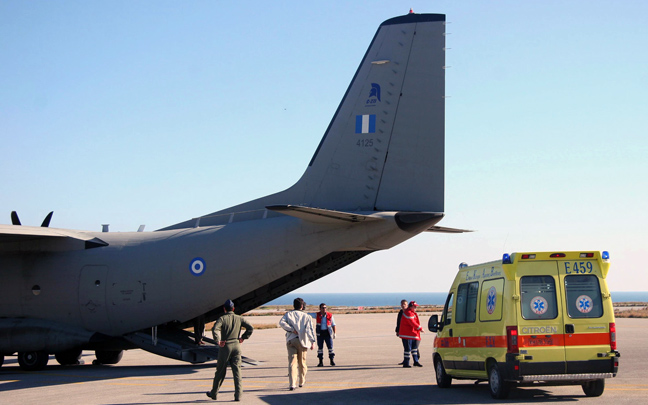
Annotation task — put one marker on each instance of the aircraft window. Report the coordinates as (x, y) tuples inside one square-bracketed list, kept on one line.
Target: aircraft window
[(97, 283), (583, 295), (36, 290), (538, 297), (446, 319), (467, 302)]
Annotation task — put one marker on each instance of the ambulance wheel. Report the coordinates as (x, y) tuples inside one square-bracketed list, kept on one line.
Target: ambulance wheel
[(108, 356), (594, 388), (33, 361), (442, 378), (499, 388), (68, 357)]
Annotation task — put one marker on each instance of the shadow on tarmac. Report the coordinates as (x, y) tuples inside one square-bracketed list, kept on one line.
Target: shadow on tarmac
[(55, 374), (417, 395)]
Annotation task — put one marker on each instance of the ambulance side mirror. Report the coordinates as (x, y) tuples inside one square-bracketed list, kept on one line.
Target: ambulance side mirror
[(433, 324)]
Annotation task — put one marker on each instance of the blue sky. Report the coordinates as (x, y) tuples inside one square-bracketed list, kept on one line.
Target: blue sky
[(132, 113)]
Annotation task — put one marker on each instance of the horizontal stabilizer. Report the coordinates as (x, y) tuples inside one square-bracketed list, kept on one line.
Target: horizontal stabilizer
[(442, 229), (320, 215)]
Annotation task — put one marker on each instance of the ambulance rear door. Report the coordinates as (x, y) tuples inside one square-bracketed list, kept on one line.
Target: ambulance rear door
[(587, 316), (540, 318)]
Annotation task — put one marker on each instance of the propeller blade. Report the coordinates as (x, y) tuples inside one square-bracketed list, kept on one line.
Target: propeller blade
[(47, 220), (14, 218)]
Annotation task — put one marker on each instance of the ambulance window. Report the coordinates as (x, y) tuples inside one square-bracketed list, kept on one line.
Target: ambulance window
[(447, 311), (466, 302), (583, 296), (538, 297)]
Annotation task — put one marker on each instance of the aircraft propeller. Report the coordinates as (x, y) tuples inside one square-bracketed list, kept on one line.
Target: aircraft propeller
[(16, 221)]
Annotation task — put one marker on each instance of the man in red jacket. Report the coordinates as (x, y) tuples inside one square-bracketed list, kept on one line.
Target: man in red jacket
[(410, 331)]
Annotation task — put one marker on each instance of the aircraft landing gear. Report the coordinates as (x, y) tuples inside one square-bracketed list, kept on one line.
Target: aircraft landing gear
[(68, 357), (108, 356), (33, 361)]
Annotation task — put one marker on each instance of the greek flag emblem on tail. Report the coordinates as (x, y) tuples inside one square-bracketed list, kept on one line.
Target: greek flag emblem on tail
[(365, 124)]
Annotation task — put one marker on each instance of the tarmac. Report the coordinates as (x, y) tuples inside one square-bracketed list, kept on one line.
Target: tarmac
[(367, 372)]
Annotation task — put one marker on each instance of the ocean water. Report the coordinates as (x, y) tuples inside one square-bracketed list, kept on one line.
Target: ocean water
[(393, 299)]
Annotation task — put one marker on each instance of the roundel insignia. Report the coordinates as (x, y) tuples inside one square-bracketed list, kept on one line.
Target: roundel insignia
[(584, 304), (491, 300), (539, 305), (197, 266)]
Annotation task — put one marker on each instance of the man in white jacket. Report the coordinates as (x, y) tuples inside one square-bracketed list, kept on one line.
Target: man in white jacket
[(299, 332)]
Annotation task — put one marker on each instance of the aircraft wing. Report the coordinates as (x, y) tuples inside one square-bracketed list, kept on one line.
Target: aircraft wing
[(442, 229), (320, 215), (20, 239)]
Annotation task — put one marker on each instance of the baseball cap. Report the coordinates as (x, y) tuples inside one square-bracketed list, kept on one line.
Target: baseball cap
[(229, 304), (413, 304)]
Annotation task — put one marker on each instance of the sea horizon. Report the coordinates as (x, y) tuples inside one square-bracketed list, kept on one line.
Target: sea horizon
[(393, 298)]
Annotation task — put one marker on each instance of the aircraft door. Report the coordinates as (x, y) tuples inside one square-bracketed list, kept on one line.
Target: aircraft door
[(92, 298)]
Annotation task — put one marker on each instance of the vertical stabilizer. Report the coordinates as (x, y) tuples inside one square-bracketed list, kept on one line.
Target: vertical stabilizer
[(384, 147)]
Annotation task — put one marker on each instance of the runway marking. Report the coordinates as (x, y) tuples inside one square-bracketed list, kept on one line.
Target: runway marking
[(158, 385)]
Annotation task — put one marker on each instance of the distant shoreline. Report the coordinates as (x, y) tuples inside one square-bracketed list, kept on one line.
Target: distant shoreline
[(422, 298)]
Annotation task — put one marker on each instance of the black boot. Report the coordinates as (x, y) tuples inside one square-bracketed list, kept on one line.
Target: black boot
[(332, 362), (321, 363)]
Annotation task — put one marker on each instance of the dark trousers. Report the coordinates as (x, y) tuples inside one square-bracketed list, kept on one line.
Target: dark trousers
[(324, 336), (410, 348), (230, 354)]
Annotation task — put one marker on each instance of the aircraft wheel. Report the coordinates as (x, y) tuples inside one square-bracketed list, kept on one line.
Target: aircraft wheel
[(594, 388), (33, 361), (442, 378), (108, 356), (499, 388), (68, 357)]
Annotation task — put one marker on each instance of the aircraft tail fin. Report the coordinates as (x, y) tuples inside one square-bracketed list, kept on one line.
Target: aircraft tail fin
[(384, 148)]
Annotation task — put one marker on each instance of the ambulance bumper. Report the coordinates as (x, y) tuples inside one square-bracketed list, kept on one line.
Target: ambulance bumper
[(567, 377)]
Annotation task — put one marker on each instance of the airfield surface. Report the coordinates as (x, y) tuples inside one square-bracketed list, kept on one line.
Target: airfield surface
[(367, 352)]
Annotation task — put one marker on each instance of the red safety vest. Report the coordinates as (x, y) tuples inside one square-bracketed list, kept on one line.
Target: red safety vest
[(328, 320)]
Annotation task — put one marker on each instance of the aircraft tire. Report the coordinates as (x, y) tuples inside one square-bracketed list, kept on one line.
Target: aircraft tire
[(108, 356), (68, 357), (594, 388), (33, 361)]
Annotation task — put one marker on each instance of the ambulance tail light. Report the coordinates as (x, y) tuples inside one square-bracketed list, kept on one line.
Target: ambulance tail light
[(512, 339), (613, 344), (557, 255), (528, 256), (586, 255)]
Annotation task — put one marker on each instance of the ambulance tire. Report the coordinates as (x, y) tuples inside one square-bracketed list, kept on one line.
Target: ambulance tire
[(594, 388), (443, 380), (499, 388)]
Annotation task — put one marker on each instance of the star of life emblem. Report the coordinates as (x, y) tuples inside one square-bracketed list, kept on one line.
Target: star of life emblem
[(539, 305), (491, 300), (584, 304)]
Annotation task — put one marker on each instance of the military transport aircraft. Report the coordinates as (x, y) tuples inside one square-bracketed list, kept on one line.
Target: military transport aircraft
[(375, 180)]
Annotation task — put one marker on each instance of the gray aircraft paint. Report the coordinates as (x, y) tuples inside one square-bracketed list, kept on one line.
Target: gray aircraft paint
[(376, 180)]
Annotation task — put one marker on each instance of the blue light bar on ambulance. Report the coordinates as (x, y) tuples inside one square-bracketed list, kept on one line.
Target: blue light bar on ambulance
[(506, 259), (462, 265), (605, 255)]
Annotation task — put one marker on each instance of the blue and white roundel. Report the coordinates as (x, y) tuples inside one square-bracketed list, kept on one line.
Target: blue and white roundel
[(539, 305), (197, 266), (491, 300), (584, 304)]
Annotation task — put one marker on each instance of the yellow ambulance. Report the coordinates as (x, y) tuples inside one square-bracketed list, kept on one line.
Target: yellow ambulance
[(543, 318)]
